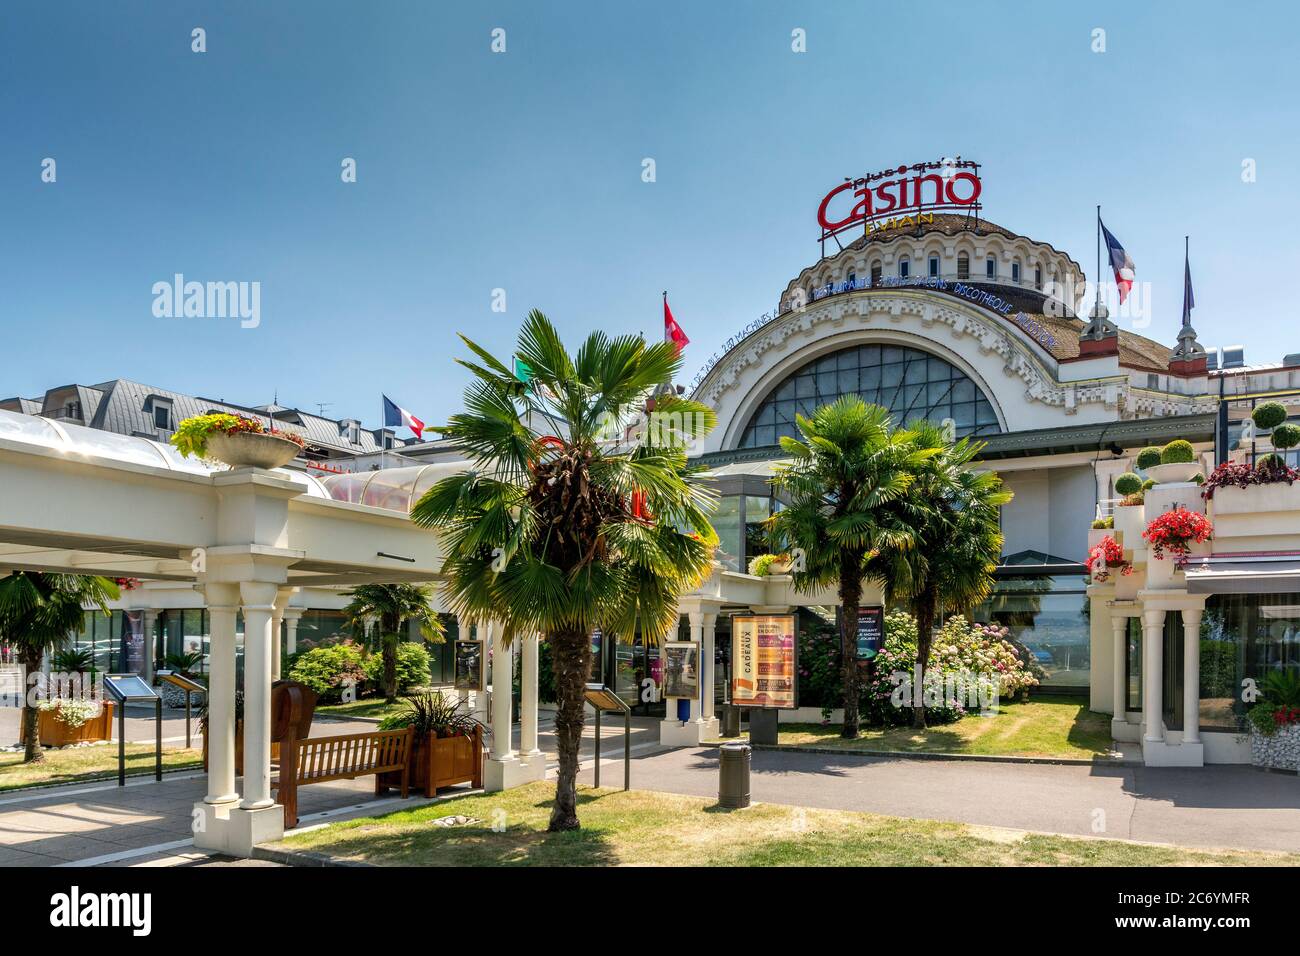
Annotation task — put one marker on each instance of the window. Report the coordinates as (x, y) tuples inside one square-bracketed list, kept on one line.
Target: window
[(963, 267), (1244, 635), (912, 384), (72, 410), (934, 267), (1015, 271), (1045, 614), (852, 281), (904, 267), (876, 273), (1038, 277), (162, 416), (991, 268)]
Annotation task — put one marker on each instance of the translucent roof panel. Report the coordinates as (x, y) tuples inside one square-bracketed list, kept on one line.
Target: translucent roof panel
[(393, 489), (78, 441)]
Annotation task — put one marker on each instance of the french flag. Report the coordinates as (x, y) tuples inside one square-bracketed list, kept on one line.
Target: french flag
[(1120, 261), (395, 415)]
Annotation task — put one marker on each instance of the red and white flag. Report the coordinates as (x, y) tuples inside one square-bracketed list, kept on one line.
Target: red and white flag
[(672, 331)]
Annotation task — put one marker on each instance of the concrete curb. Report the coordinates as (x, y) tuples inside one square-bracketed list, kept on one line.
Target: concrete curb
[(935, 755), (287, 857)]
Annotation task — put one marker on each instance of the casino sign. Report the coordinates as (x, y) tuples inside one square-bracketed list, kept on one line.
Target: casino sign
[(944, 184)]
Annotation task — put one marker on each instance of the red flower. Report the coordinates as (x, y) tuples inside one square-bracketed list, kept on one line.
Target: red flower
[(1177, 530), (1107, 554)]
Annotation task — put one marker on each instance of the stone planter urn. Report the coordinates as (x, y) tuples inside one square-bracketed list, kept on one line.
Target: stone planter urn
[(1278, 751), (1174, 473), (251, 449)]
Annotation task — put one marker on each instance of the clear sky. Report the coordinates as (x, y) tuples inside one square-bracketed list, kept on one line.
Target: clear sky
[(522, 170)]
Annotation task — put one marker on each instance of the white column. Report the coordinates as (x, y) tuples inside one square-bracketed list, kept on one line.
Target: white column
[(706, 666), (696, 621), (502, 678), (1153, 623), (277, 617), (148, 623), (1191, 675), (528, 698), (223, 603), (259, 606), (1119, 679), (292, 615), (463, 626)]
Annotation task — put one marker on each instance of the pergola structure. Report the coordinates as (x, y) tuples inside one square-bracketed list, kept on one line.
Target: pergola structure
[(77, 500)]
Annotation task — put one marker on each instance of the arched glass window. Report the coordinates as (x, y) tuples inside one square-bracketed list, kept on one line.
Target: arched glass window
[(912, 384), (904, 267)]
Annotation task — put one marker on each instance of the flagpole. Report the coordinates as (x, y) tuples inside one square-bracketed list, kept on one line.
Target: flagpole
[(1099, 252), (382, 426)]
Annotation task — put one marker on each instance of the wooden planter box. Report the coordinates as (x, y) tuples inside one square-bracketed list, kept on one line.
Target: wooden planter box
[(55, 733), (438, 762)]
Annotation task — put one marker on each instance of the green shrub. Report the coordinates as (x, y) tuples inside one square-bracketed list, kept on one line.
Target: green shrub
[(1103, 524), (1271, 462), (326, 670), (1218, 668), (1128, 484), (1177, 452), (1285, 436), (762, 564), (1148, 485), (1268, 415), (412, 666), (1148, 457)]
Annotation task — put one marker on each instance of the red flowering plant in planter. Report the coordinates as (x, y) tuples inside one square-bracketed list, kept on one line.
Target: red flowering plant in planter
[(1106, 555), (1177, 531), (1270, 470)]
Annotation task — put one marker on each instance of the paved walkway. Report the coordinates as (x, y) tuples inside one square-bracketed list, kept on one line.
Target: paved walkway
[(1218, 806)]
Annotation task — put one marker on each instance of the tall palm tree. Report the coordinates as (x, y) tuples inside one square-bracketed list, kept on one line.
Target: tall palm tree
[(37, 613), (955, 542), (850, 465), (392, 605), (570, 520)]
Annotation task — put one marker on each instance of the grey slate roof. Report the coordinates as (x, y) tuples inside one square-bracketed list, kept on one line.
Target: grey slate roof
[(127, 408)]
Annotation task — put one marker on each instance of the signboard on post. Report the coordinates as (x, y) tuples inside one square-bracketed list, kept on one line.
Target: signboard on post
[(469, 666), (764, 660), (681, 669), (871, 631)]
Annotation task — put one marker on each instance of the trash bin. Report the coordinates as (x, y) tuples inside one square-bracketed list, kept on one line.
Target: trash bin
[(730, 720), (733, 776)]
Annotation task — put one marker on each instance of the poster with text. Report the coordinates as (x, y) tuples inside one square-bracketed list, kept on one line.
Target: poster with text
[(469, 665), (763, 660), (681, 669), (871, 631)]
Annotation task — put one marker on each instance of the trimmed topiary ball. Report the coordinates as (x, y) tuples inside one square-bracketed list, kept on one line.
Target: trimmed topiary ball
[(1148, 457), (1128, 484), (1270, 463), (1285, 436), (1177, 452), (1269, 415), (1148, 484)]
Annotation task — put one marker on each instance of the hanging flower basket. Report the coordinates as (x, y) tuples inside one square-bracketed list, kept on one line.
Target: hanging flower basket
[(1105, 557), (1176, 531)]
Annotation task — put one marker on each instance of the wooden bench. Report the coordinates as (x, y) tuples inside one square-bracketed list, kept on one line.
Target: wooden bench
[(306, 760)]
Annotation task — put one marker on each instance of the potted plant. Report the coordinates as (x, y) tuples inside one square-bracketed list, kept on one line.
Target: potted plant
[(447, 747), (1105, 557), (236, 441), (1275, 723), (1177, 463), (80, 717), (1176, 531), (1129, 512), (765, 564)]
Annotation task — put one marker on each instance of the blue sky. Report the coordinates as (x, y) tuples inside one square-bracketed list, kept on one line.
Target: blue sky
[(522, 171)]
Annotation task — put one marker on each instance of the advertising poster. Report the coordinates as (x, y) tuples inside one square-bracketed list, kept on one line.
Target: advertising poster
[(763, 660), (469, 665), (871, 631), (681, 669)]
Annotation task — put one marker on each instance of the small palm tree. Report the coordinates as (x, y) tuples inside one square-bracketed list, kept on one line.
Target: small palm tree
[(37, 613), (850, 465), (584, 525), (955, 539), (392, 605)]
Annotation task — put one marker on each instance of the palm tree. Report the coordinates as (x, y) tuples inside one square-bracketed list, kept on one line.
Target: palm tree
[(37, 613), (850, 465), (392, 605), (955, 542), (583, 525)]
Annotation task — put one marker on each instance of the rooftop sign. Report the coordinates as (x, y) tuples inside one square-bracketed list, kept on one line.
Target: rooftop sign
[(942, 184)]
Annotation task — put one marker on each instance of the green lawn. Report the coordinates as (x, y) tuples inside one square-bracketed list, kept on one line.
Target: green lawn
[(1040, 727), (639, 828), (370, 707), (89, 763)]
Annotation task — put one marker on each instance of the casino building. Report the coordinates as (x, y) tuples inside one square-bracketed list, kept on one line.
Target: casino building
[(947, 316)]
